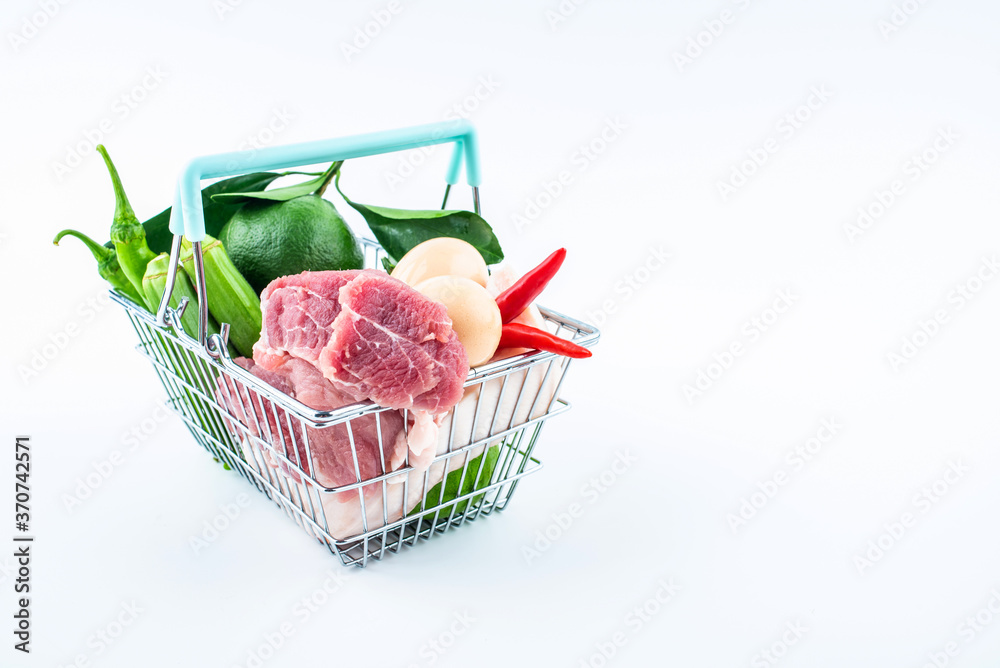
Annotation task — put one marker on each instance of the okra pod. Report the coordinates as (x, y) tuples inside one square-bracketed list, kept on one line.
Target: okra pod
[(154, 282), (107, 265), (127, 233), (230, 297)]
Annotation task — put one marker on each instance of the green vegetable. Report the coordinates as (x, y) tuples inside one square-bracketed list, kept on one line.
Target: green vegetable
[(107, 266), (313, 186), (127, 233), (399, 230), (155, 282), (230, 297), (217, 214), (451, 482)]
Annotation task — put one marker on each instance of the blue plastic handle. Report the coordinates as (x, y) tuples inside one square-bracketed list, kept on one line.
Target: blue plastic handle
[(188, 218)]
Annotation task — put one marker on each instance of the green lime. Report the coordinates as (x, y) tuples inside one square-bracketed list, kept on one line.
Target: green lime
[(266, 240)]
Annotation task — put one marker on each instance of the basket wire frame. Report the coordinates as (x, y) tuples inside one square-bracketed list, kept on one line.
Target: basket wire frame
[(262, 434)]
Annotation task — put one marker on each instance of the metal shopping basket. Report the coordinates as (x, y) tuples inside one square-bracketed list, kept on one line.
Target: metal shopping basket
[(486, 442)]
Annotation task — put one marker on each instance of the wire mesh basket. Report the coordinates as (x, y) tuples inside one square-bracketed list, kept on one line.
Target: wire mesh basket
[(485, 444)]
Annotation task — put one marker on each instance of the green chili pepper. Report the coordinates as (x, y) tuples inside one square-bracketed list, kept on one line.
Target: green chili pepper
[(107, 265), (127, 233)]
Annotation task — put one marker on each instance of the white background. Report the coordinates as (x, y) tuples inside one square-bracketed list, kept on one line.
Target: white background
[(226, 73)]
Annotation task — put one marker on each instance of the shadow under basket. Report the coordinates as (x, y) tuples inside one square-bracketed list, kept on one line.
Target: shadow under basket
[(484, 447)]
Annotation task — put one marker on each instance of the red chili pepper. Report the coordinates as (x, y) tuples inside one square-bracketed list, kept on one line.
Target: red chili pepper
[(516, 335), (519, 296)]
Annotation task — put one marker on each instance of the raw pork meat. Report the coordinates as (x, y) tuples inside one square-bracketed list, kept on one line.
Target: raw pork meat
[(298, 313), (332, 462), (395, 346), (373, 336)]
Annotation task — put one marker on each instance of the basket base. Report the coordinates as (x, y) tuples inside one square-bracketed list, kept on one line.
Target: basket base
[(513, 462)]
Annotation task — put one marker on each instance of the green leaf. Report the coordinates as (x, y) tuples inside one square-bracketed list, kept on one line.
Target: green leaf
[(399, 230), (388, 265), (451, 483), (217, 214), (281, 194)]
